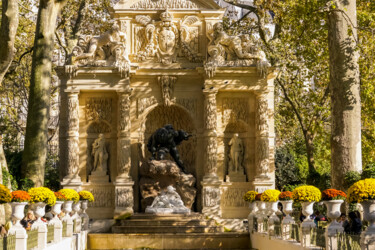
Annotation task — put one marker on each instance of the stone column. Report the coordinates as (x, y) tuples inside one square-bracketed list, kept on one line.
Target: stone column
[(72, 179), (262, 146), (211, 183), (124, 184)]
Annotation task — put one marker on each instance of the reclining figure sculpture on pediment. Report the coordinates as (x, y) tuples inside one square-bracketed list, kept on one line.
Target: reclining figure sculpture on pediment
[(107, 49)]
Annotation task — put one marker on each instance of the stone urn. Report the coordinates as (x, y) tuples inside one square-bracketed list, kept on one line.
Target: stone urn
[(84, 216), (67, 208), (273, 208), (261, 215), (369, 216), (56, 209), (39, 210), (18, 212), (333, 212), (252, 215), (307, 210), (288, 209), (76, 208)]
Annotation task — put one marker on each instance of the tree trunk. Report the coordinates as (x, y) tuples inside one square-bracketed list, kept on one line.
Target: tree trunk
[(345, 91), (35, 152), (309, 142), (8, 31)]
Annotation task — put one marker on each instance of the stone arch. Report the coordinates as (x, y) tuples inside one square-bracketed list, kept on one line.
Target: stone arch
[(180, 118)]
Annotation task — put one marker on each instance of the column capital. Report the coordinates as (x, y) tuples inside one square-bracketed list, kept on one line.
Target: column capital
[(127, 91), (71, 92), (210, 91)]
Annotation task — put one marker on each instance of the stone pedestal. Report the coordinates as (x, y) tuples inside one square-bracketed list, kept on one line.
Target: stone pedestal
[(42, 233), (73, 182), (124, 199), (261, 185), (21, 237), (306, 227), (57, 227), (99, 176), (235, 177), (211, 198)]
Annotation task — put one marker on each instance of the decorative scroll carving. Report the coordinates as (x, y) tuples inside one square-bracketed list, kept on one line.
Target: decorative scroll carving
[(210, 111), (73, 156), (124, 197), (107, 49), (104, 196), (232, 51), (233, 197), (165, 4), (164, 39), (262, 157), (211, 196), (99, 109), (123, 157), (235, 109), (211, 155), (190, 105), (73, 117), (167, 87), (262, 115), (144, 103), (124, 108)]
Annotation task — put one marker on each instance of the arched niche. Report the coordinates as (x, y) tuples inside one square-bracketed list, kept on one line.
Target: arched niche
[(180, 119)]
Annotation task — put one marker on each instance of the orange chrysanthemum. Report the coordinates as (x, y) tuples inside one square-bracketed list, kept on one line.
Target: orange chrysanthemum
[(286, 196), (258, 197), (333, 194), (20, 196)]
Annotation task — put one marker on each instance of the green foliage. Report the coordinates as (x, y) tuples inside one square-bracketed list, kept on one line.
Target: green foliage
[(351, 177), (52, 178), (287, 173), (368, 171)]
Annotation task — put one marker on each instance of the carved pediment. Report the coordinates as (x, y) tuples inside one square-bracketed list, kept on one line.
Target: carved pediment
[(168, 4)]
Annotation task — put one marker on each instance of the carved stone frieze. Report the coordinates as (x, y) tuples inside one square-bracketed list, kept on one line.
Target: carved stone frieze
[(211, 155), (211, 196), (166, 38), (124, 197), (235, 109), (123, 157), (262, 114), (189, 104), (124, 109), (73, 156), (167, 88), (104, 196), (210, 110), (98, 109), (165, 4), (144, 103), (233, 197), (73, 115), (262, 156)]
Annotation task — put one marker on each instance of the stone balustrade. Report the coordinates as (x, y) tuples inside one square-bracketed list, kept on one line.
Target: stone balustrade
[(266, 234)]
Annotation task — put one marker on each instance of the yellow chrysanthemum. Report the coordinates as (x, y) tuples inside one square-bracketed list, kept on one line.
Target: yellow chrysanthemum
[(5, 195), (307, 193), (271, 195), (70, 194), (42, 194), (86, 195), (250, 196), (361, 191)]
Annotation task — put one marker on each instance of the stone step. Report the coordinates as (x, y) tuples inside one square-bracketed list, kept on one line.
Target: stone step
[(166, 229), (169, 241), (145, 222), (176, 217)]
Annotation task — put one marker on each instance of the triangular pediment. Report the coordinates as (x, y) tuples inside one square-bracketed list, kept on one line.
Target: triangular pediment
[(169, 4)]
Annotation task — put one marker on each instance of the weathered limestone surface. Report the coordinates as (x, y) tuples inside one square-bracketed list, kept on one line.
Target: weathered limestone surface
[(172, 64)]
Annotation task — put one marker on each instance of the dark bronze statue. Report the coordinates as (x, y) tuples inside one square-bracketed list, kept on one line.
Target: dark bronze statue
[(165, 140)]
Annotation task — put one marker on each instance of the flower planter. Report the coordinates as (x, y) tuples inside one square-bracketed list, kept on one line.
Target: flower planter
[(288, 209), (369, 216), (84, 216), (307, 210), (333, 212), (56, 209), (18, 213), (39, 210), (273, 208), (253, 210), (67, 208)]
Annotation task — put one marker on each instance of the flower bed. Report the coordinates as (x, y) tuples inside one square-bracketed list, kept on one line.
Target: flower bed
[(306, 193), (70, 194), (286, 196), (20, 196), (333, 194), (250, 196), (86, 195), (362, 190), (270, 195), (5, 195), (42, 194)]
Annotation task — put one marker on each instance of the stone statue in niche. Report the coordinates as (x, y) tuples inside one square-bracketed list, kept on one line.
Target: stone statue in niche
[(100, 154), (168, 202), (236, 154), (165, 140), (107, 49), (167, 87)]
